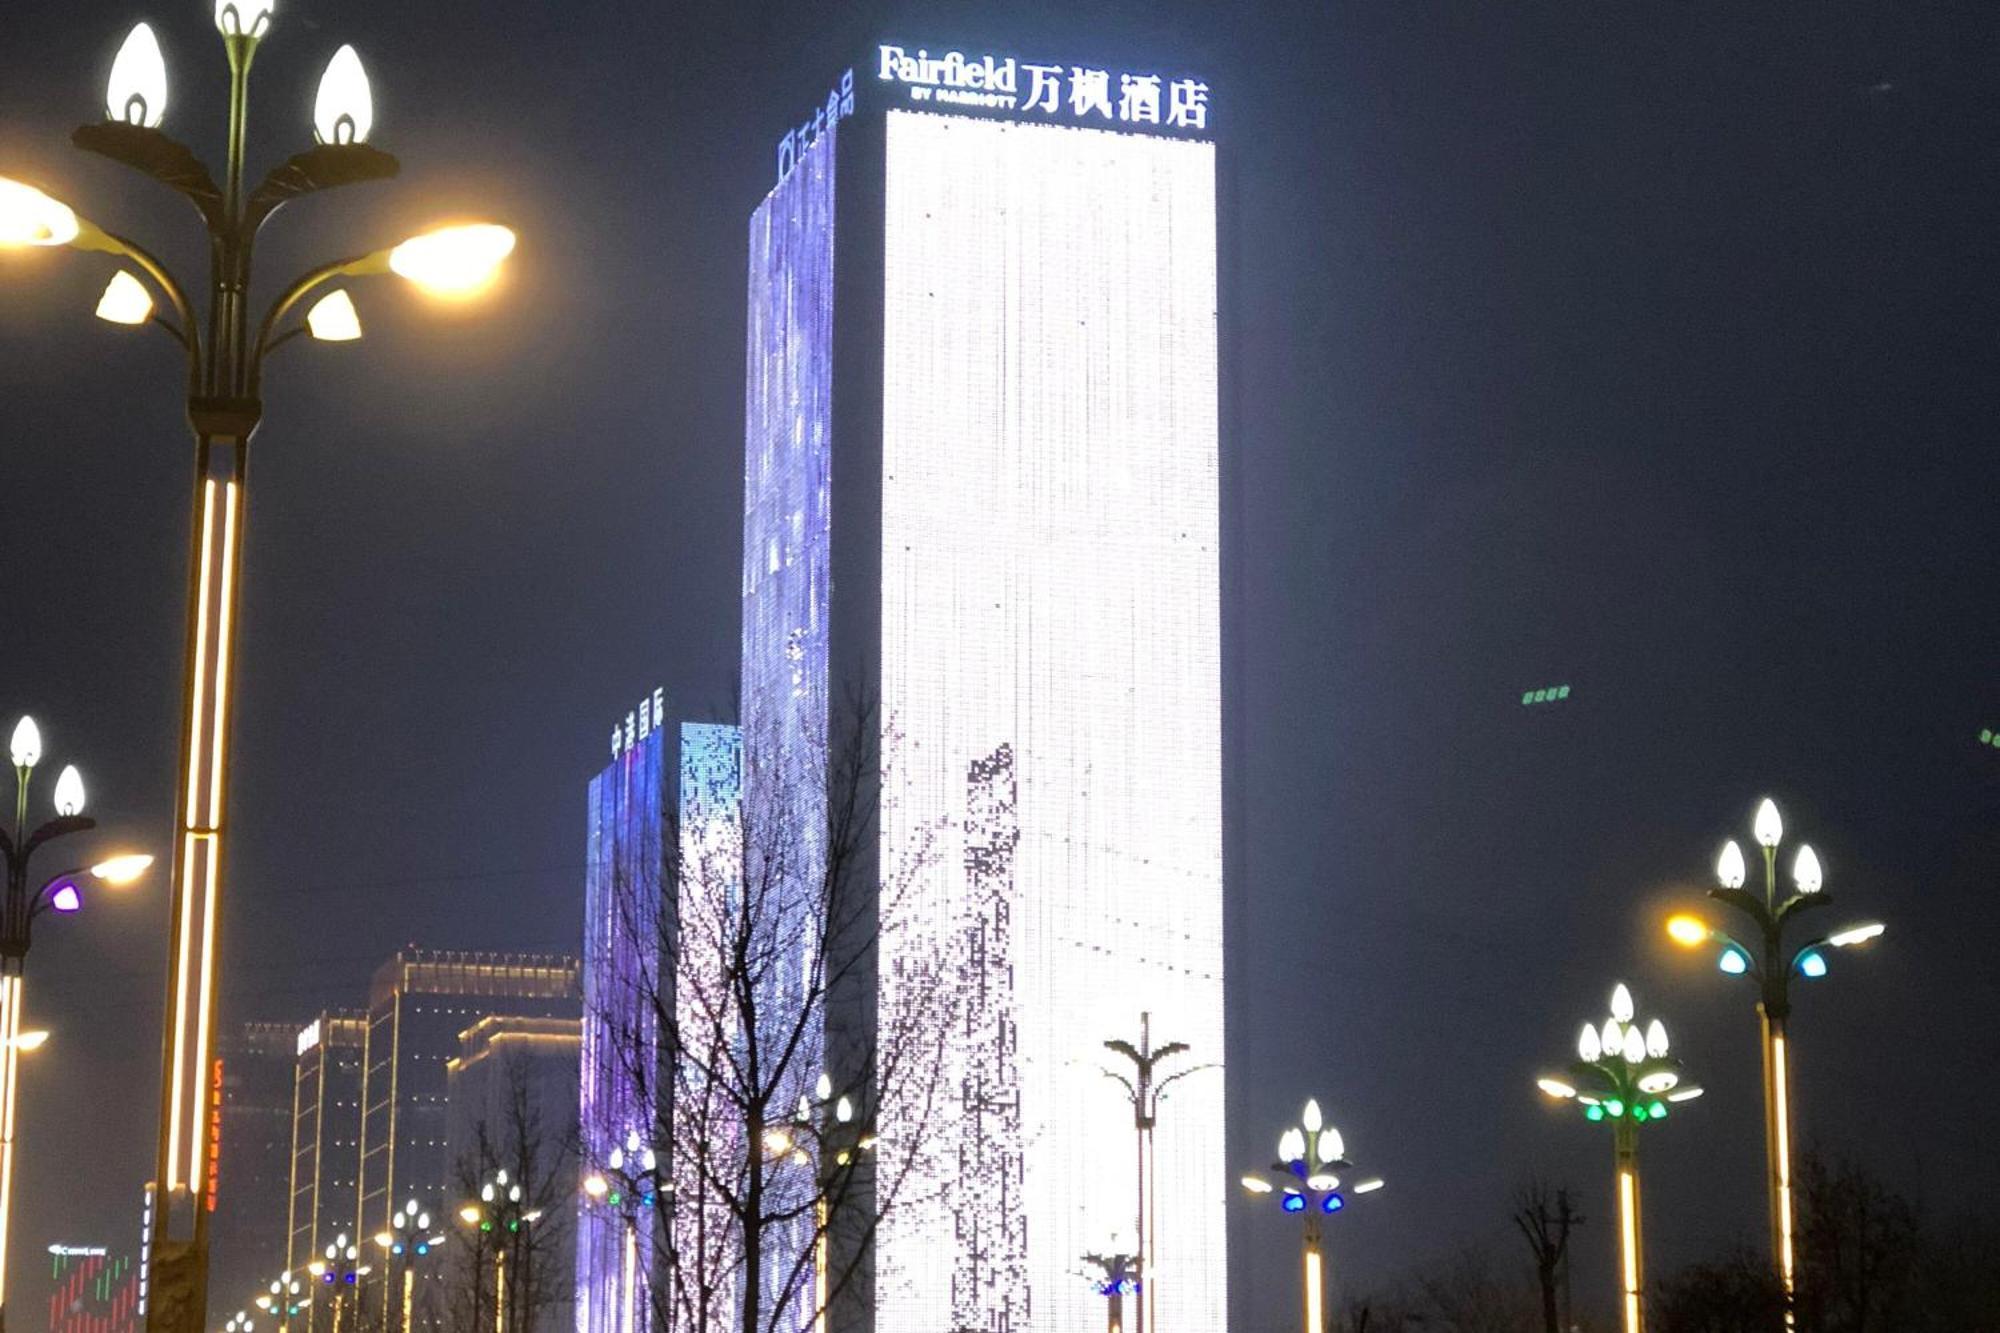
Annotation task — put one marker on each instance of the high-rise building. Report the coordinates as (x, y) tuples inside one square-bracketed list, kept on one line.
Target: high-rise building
[(418, 1004), (254, 1164), (982, 495), (664, 782), (511, 1076), (326, 1133)]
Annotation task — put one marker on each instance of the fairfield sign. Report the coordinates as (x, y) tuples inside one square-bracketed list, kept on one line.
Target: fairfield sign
[(1079, 93)]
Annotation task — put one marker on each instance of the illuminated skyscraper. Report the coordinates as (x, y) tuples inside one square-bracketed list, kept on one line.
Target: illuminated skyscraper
[(419, 1003), (326, 1133), (982, 494), (664, 781)]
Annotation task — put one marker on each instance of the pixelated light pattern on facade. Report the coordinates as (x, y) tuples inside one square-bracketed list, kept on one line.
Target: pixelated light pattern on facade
[(1050, 582), (978, 1154), (707, 1138), (788, 412), (619, 1092)]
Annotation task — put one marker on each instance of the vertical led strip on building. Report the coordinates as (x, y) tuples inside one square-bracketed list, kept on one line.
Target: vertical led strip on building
[(787, 565), (1050, 590), (621, 1058), (198, 884)]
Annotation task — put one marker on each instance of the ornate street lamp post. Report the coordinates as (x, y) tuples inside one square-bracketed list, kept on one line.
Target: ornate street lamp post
[(632, 1183), (408, 1238), (1306, 1179), (1770, 963), (1143, 1089), (226, 351), (283, 1299), (61, 894), (340, 1269), (1624, 1075)]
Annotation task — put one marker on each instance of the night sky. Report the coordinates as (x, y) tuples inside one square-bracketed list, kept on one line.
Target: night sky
[(1643, 347)]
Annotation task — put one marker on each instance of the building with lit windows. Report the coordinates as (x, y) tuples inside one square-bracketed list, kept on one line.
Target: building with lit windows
[(419, 1003), (326, 1133), (982, 493), (254, 1165)]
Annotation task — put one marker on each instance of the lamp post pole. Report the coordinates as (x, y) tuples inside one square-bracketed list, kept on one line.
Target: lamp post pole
[(1771, 964), (62, 894), (1623, 1074), (225, 354), (1307, 1181), (1143, 1090)]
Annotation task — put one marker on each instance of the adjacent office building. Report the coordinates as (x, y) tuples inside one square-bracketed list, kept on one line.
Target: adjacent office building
[(326, 1134), (418, 1004), (254, 1165), (982, 493)]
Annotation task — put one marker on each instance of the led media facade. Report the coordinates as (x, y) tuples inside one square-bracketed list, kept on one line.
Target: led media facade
[(1026, 539), (787, 574), (1049, 621), (618, 1095)]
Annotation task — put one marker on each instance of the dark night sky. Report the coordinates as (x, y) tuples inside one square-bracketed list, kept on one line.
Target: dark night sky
[(1642, 346)]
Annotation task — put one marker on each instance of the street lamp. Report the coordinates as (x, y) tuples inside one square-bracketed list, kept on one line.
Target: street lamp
[(283, 1299), (1143, 1089), (1768, 962), (61, 894), (632, 1183), (408, 1238), (503, 1213), (340, 1268), (225, 352), (1115, 1276), (1624, 1075), (1307, 1180)]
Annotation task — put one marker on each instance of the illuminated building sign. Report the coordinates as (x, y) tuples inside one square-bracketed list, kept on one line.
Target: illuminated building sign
[(639, 723), (79, 1251), (308, 1036), (1019, 568), (1079, 93)]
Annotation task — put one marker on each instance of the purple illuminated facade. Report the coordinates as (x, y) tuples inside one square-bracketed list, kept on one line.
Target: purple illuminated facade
[(623, 948), (787, 571)]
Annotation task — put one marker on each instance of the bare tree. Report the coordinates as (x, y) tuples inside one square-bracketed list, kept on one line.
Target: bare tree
[(763, 1045), (1545, 1219)]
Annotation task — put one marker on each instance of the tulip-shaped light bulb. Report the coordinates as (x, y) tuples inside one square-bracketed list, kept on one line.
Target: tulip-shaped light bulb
[(1291, 1145), (1311, 1118), (1331, 1146), (1588, 1048), (1769, 828), (243, 18), (1656, 1039), (1621, 1003), (1806, 872), (27, 744), (69, 792), (1729, 866), (137, 91), (344, 110), (1612, 1034), (1635, 1046)]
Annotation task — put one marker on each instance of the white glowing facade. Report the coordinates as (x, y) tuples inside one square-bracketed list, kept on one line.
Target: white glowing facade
[(1028, 496)]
